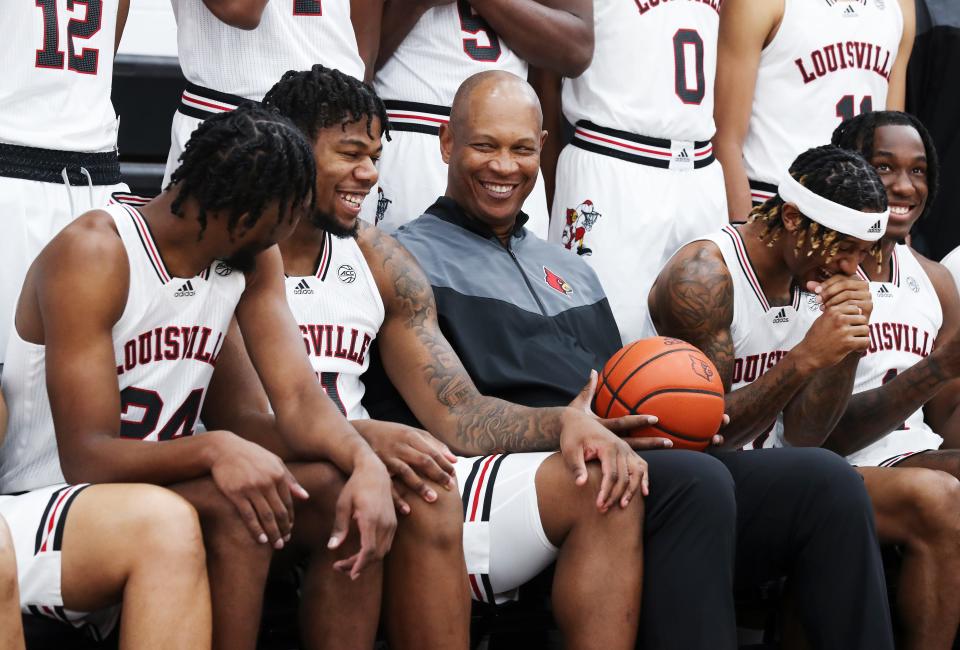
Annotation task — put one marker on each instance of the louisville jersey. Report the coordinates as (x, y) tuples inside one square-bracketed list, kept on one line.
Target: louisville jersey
[(57, 74), (448, 44), (829, 60), (762, 334), (904, 324), (339, 311), (166, 344), (292, 35), (653, 69)]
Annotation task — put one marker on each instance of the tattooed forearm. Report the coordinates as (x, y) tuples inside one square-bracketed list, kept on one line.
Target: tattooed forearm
[(813, 413), (470, 423), (872, 414), (693, 300)]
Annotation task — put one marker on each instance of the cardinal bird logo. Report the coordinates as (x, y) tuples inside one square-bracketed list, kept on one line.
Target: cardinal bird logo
[(701, 368), (555, 282)]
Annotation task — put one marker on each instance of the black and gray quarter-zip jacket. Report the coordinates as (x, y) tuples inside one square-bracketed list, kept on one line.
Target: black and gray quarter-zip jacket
[(529, 319)]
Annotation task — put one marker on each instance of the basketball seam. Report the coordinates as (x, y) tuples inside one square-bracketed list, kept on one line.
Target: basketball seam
[(675, 390), (623, 353), (615, 393)]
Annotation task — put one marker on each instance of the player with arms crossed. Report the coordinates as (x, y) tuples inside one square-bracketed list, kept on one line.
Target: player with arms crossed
[(58, 129), (119, 327), (232, 51), (427, 49), (789, 71), (529, 321), (640, 130), (788, 368)]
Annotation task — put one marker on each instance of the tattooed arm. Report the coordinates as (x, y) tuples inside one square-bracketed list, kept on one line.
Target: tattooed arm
[(692, 300), (423, 366), (931, 383)]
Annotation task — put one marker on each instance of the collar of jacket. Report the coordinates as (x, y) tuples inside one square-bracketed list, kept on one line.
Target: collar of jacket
[(449, 210)]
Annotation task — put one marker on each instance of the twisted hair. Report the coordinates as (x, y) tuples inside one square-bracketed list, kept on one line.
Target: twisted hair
[(238, 163), (321, 97), (857, 134), (840, 175)]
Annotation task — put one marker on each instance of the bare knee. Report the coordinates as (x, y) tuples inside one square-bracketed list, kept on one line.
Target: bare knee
[(167, 529), (437, 525), (934, 499), (8, 565)]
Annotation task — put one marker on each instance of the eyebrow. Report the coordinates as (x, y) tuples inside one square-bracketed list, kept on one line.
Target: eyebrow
[(356, 142), (882, 152)]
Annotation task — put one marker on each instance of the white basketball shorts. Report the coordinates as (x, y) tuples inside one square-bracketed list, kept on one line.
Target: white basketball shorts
[(627, 218), (37, 520), (504, 543), (31, 214)]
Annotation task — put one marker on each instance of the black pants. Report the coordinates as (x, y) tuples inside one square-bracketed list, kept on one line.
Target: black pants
[(732, 521)]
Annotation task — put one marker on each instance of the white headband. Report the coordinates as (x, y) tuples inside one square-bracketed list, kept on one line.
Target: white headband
[(866, 226)]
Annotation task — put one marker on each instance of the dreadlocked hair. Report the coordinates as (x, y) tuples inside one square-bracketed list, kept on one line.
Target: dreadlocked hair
[(857, 134), (840, 175), (238, 163), (321, 97)]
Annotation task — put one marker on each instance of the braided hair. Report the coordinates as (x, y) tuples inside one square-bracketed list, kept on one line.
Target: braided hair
[(321, 97), (857, 134), (238, 163), (840, 175)]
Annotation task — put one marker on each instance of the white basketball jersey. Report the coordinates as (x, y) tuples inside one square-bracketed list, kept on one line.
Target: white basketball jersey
[(292, 35), (829, 60), (166, 344), (653, 69), (448, 44), (904, 324), (762, 335), (339, 311), (57, 74)]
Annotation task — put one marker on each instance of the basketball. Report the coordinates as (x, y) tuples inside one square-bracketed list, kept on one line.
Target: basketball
[(670, 379)]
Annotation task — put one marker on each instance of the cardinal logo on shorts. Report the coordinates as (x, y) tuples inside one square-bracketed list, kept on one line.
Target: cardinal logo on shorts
[(557, 283), (701, 368), (580, 220), (382, 204)]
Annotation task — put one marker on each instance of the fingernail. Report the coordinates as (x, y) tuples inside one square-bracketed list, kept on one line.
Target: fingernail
[(262, 539), (405, 509), (334, 540), (354, 576), (668, 443), (278, 544), (287, 537), (431, 495), (654, 419)]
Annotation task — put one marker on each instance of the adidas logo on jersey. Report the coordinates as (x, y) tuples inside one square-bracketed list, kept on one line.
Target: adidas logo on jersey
[(683, 155), (875, 228), (849, 12), (302, 288), (781, 316), (185, 291), (883, 292)]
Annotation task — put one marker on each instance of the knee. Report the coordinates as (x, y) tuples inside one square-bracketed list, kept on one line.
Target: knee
[(935, 502), (831, 480), (166, 526), (693, 483), (8, 565), (438, 524)]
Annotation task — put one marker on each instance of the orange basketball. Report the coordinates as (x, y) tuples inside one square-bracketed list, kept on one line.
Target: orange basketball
[(668, 378)]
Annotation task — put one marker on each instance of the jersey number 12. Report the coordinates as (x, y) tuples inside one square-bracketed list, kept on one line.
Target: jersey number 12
[(51, 56)]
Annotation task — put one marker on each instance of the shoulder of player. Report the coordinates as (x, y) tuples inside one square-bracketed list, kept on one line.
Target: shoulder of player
[(85, 263), (90, 245), (695, 288), (760, 19), (939, 275), (400, 280)]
